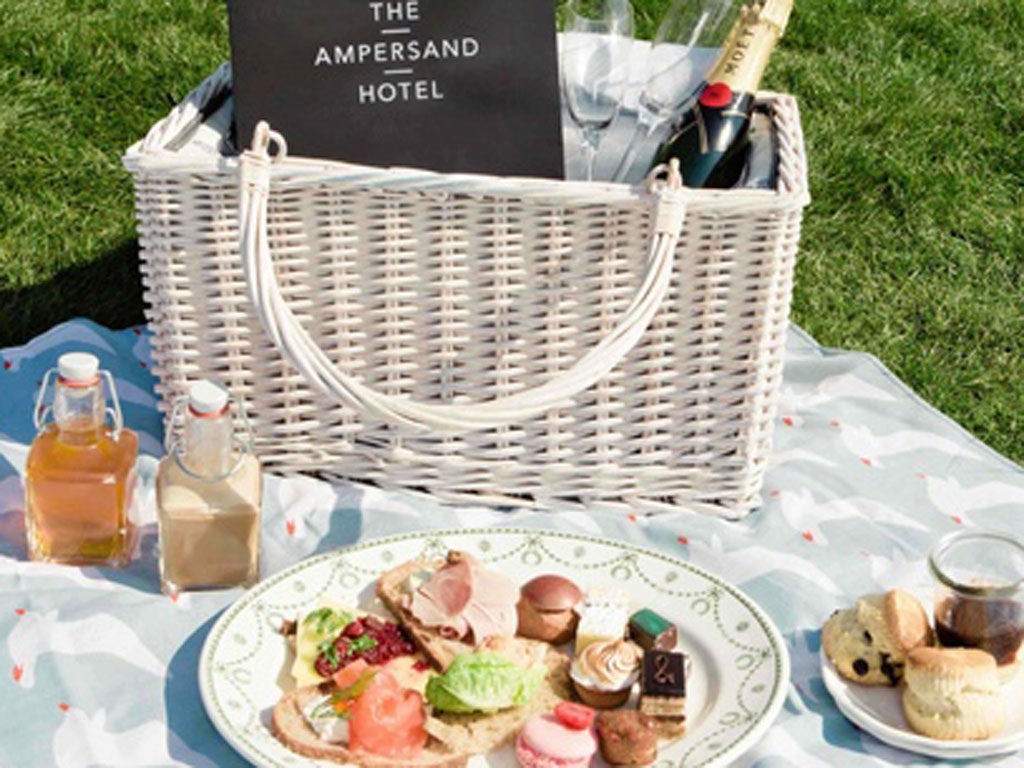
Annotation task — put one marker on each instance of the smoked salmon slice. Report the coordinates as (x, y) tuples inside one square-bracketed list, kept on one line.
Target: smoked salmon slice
[(388, 719)]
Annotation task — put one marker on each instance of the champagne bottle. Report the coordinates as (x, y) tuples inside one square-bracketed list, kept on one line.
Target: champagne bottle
[(710, 139)]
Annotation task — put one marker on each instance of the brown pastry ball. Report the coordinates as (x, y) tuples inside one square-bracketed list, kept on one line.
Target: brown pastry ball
[(546, 609), (627, 737)]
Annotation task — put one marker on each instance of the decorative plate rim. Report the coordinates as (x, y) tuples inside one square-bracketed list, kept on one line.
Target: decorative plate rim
[(740, 744)]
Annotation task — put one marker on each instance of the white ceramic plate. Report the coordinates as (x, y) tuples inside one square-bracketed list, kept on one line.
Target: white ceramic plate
[(878, 710), (740, 670)]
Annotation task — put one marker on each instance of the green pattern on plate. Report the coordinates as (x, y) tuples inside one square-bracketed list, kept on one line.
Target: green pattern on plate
[(718, 625)]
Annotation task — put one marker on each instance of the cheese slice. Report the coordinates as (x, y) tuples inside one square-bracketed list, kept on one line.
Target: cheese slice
[(314, 627)]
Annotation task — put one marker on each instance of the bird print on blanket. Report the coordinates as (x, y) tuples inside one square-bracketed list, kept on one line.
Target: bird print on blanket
[(83, 740), (958, 502), (798, 456), (753, 561), (861, 481), (806, 514), (870, 448), (30, 573), (36, 635), (897, 569), (793, 403)]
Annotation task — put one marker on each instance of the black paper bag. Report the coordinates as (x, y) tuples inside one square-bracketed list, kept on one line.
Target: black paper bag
[(449, 85)]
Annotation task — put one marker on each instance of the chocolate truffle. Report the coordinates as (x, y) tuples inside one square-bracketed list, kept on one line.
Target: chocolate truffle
[(545, 609), (627, 737)]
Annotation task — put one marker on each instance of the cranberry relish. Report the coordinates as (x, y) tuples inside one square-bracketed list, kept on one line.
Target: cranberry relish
[(368, 638)]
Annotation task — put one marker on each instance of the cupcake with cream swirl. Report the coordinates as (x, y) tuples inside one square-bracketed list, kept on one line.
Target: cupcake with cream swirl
[(604, 673)]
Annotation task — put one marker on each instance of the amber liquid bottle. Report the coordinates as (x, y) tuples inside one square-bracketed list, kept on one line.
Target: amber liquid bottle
[(80, 475), (710, 140), (208, 491)]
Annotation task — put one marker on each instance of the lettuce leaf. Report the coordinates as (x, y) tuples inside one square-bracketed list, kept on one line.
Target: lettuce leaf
[(483, 681)]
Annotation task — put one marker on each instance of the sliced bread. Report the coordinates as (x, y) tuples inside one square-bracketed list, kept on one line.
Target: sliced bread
[(475, 733), (478, 733), (392, 591), (290, 727)]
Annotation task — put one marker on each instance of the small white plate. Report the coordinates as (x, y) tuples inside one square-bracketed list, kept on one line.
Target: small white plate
[(878, 709), (740, 669)]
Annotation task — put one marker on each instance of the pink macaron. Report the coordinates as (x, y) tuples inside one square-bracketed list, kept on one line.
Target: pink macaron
[(545, 742)]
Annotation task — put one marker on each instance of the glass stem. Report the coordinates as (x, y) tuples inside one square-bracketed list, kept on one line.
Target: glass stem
[(591, 139), (644, 128)]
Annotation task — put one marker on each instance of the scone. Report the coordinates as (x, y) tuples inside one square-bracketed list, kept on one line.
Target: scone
[(869, 643), (953, 693)]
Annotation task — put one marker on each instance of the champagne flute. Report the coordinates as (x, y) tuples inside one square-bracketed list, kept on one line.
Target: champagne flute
[(595, 66), (682, 51)]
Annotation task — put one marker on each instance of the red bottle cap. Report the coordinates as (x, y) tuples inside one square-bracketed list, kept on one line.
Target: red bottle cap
[(716, 95)]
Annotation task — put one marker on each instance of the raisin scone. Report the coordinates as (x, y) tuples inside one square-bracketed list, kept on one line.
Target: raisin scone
[(870, 642)]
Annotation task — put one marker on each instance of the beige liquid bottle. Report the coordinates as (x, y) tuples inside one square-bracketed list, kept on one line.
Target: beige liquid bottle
[(80, 475), (208, 491)]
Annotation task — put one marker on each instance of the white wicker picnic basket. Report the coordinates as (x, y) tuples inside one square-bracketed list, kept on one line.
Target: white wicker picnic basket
[(498, 340)]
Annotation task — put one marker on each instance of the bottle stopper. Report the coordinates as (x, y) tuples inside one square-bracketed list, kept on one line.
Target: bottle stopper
[(78, 367), (206, 398)]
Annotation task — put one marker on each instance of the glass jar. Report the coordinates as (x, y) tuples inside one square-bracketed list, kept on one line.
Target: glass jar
[(979, 597), (80, 477), (208, 491)]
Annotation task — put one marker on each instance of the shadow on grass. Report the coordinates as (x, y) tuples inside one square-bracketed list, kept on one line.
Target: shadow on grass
[(107, 290)]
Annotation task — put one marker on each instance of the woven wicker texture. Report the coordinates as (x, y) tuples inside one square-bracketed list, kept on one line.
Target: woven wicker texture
[(451, 289)]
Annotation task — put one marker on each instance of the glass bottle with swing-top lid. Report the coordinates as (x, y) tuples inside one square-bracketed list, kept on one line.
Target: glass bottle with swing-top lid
[(208, 491), (80, 477)]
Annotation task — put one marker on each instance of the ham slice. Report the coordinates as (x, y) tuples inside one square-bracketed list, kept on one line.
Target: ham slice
[(464, 599), (440, 601)]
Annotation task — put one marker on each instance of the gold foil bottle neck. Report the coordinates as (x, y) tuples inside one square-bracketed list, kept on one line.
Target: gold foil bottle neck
[(776, 13), (743, 59)]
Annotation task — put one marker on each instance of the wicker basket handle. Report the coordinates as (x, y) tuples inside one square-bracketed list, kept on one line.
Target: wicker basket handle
[(302, 351)]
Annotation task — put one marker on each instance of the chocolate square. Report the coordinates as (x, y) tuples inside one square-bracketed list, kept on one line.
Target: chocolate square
[(664, 674), (651, 630)]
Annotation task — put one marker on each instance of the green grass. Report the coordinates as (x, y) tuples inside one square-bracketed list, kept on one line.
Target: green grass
[(913, 111)]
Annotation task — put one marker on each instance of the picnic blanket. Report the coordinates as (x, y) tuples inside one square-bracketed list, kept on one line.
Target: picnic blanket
[(97, 667)]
